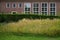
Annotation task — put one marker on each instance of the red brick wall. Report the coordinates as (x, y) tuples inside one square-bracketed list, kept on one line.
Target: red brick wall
[(21, 10), (7, 10), (58, 8)]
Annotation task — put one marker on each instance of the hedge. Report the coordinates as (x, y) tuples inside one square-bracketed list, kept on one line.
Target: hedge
[(16, 17)]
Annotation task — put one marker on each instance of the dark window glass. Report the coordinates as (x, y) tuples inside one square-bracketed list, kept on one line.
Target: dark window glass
[(19, 4), (44, 13), (45, 9), (8, 5), (14, 5), (35, 9), (42, 4), (52, 5), (27, 9), (52, 9), (42, 9), (36, 5), (52, 13), (45, 4)]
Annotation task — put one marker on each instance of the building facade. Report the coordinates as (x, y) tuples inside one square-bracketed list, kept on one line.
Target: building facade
[(41, 7)]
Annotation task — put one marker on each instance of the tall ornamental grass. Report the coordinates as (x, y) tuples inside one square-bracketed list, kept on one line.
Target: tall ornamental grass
[(42, 27)]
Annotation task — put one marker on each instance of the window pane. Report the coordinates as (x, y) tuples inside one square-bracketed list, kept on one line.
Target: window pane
[(52, 5), (42, 9), (35, 9), (45, 4), (27, 9), (19, 5), (7, 5), (44, 13), (45, 9), (28, 12), (52, 13), (14, 5), (42, 4), (36, 5), (52, 9)]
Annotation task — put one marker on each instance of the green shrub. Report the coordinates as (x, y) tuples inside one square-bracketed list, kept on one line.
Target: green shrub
[(16, 17)]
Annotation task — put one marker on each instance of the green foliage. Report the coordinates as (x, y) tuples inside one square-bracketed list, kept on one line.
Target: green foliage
[(16, 17)]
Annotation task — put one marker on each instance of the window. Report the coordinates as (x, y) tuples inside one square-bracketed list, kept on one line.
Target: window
[(44, 8), (52, 9), (19, 5), (35, 5), (7, 5), (13, 5), (35, 8), (27, 7), (14, 12)]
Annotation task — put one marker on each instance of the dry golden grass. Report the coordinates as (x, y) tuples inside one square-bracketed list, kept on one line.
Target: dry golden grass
[(45, 26)]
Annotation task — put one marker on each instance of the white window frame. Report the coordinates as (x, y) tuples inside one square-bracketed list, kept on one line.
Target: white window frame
[(35, 7), (47, 8), (13, 4), (24, 7), (7, 4), (19, 4), (53, 7)]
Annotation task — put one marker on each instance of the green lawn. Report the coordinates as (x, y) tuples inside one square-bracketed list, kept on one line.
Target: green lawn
[(8, 36)]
